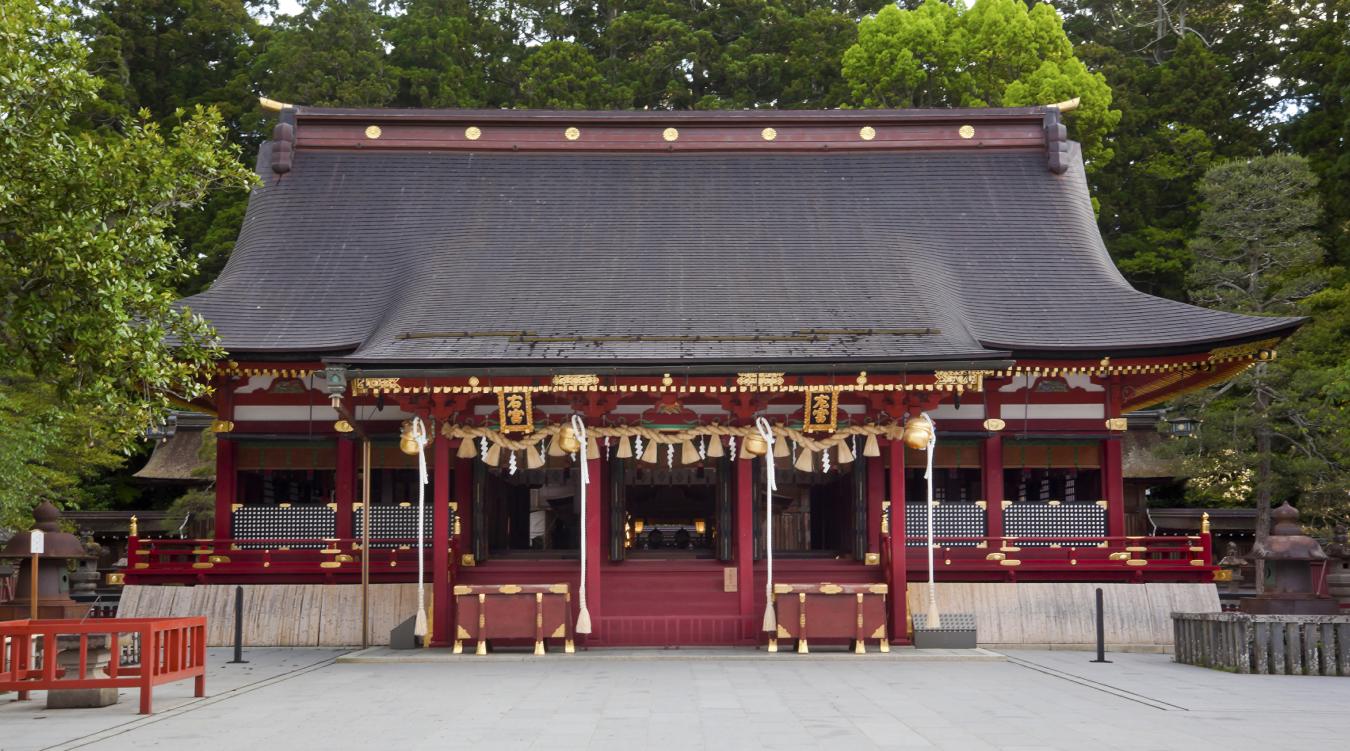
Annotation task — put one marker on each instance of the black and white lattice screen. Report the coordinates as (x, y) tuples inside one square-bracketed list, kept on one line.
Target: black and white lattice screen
[(949, 520), (393, 523), (1045, 520), (297, 523)]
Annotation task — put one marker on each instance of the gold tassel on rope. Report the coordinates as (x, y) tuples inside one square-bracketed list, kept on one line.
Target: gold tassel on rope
[(649, 452), (494, 455), (804, 461), (533, 458), (466, 448), (844, 453), (592, 448), (625, 450), (871, 447), (780, 449), (689, 453), (715, 446), (555, 448)]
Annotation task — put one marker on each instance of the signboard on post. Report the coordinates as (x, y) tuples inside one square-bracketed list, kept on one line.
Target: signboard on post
[(37, 544)]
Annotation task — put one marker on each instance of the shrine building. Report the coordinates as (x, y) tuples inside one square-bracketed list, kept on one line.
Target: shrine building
[(666, 279)]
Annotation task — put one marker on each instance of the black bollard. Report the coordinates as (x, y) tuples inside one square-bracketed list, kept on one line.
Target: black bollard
[(1101, 629), (239, 626)]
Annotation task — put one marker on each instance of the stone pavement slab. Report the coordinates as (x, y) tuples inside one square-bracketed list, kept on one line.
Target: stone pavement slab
[(1034, 700), (28, 725), (908, 654)]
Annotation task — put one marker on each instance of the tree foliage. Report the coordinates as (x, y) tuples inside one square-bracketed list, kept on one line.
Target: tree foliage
[(996, 53), (1276, 431), (87, 264)]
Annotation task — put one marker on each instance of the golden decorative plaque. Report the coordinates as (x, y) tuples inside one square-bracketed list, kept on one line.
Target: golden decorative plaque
[(373, 132), (473, 133), (821, 411), (768, 134), (867, 132), (966, 131), (572, 134), (670, 134), (516, 411)]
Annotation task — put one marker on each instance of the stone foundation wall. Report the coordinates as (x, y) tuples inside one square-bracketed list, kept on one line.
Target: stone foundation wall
[(1029, 615), (279, 615), (1062, 615)]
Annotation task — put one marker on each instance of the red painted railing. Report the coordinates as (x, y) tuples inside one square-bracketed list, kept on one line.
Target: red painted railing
[(1068, 558), (172, 649), (327, 560), (1000, 558)]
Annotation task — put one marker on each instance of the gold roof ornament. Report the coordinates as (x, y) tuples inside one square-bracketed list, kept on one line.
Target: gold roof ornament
[(272, 105), (768, 134), (473, 133), (670, 134), (1068, 105)]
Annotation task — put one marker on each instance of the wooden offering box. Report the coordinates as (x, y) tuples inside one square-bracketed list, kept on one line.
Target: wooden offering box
[(513, 611), (830, 611)]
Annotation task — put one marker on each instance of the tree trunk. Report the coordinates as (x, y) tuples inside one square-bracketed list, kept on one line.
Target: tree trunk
[(1263, 480)]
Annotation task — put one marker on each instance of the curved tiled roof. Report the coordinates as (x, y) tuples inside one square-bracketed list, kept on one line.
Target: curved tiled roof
[(489, 256)]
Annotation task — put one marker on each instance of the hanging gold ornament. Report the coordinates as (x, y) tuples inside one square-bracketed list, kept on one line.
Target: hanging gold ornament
[(804, 461), (467, 449), (755, 445), (689, 453), (592, 448), (649, 452), (918, 433), (533, 458), (406, 442), (625, 450), (715, 447), (493, 457), (567, 440), (871, 447), (844, 454)]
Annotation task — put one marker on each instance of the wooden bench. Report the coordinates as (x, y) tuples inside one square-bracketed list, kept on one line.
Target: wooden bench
[(513, 611), (856, 612)]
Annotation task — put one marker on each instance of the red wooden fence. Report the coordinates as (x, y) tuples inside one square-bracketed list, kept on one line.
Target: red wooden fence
[(172, 649)]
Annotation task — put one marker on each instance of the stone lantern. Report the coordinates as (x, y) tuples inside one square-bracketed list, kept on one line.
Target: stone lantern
[(1288, 554), (53, 573), (1338, 578)]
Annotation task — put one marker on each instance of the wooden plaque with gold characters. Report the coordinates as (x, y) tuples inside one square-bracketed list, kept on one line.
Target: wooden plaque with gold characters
[(821, 412), (517, 412)]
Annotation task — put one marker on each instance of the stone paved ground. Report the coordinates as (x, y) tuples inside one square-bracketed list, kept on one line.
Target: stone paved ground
[(301, 699)]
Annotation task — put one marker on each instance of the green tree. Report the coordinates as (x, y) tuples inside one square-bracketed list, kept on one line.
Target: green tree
[(455, 53), (564, 75), (330, 54), (995, 53), (87, 264), (1256, 253), (167, 55), (1316, 73)]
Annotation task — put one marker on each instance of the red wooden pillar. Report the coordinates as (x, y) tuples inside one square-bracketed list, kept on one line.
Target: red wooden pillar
[(227, 453), (899, 606), (745, 545), (345, 494), (440, 542), (596, 545), (992, 478), (1113, 486), (876, 493), (1113, 479), (464, 495)]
